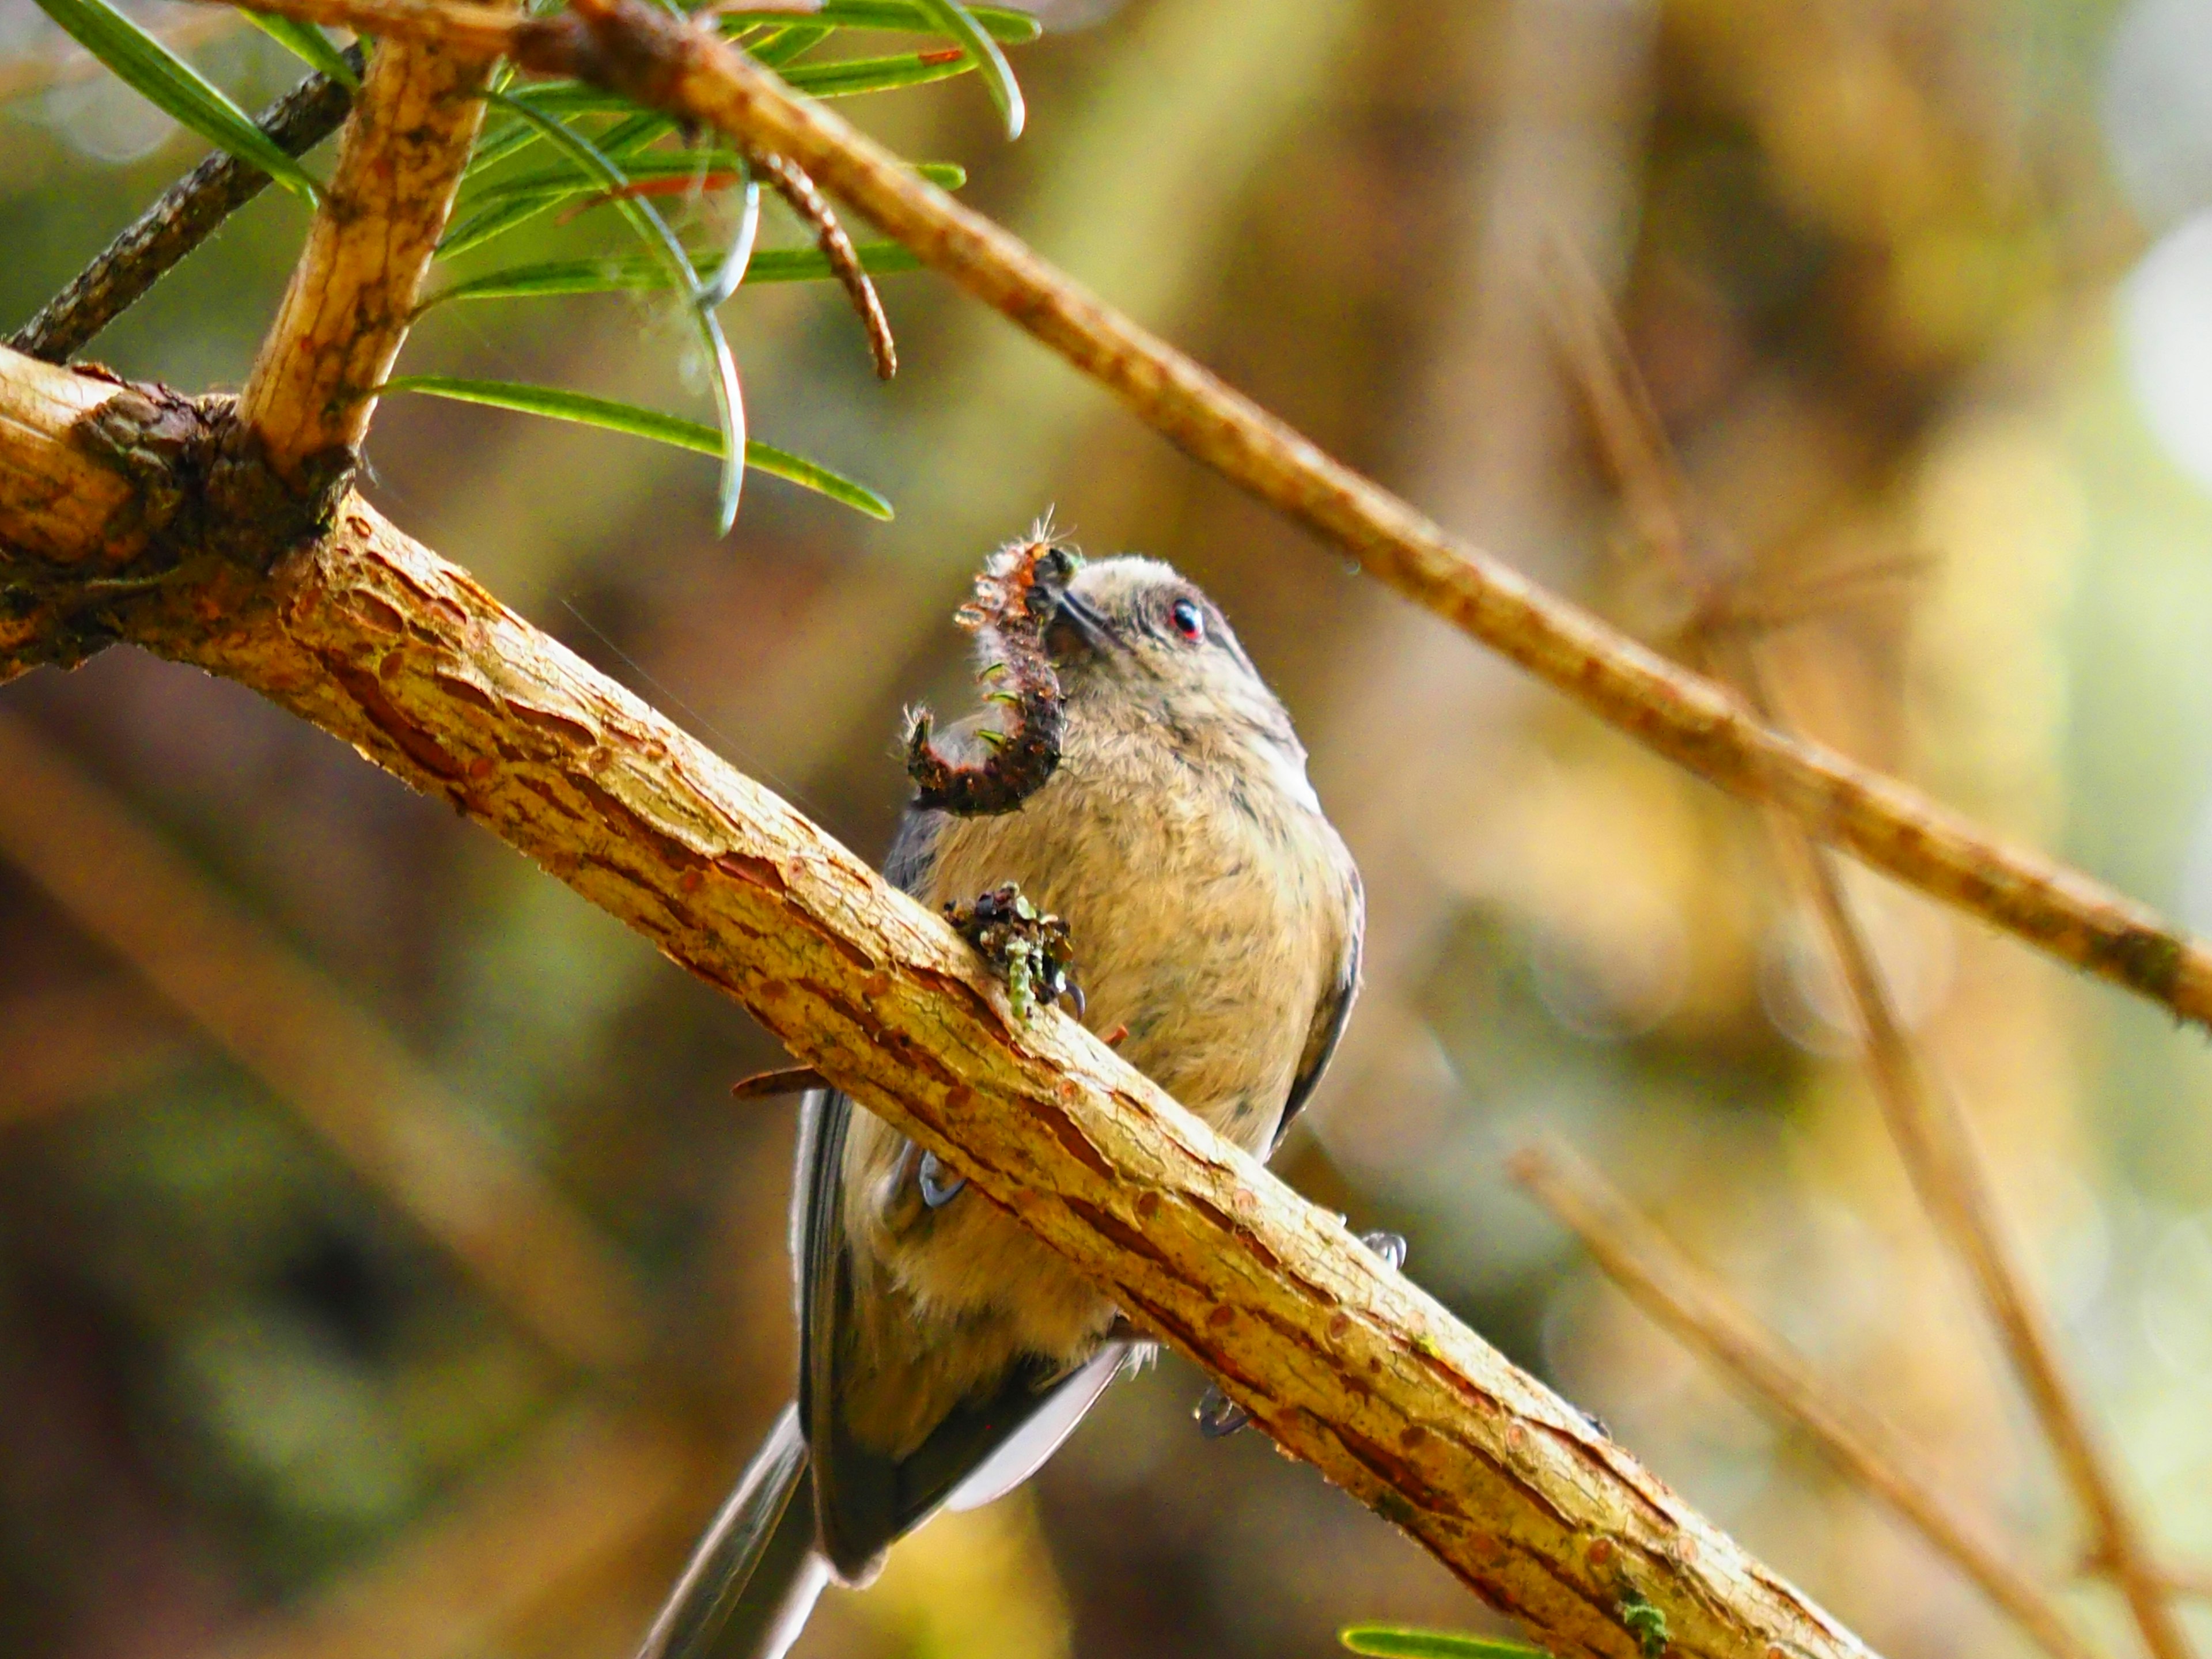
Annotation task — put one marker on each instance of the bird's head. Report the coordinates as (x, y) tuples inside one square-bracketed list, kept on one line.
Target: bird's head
[(1133, 630)]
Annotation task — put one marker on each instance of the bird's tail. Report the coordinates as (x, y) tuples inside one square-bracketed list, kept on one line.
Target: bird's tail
[(755, 1575)]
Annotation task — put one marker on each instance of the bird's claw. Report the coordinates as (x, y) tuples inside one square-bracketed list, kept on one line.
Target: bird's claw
[(1391, 1247), (938, 1187), (1218, 1416), (1030, 950)]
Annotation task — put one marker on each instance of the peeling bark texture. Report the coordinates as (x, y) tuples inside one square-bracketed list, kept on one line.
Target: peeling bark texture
[(95, 474), (308, 403), (660, 59), (63, 500), (380, 642)]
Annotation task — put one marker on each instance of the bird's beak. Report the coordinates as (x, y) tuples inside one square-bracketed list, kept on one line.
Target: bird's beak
[(1076, 626)]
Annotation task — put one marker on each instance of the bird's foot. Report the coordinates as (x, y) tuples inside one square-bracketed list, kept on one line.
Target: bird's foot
[(939, 1186), (1027, 948), (1391, 1247), (1217, 1415)]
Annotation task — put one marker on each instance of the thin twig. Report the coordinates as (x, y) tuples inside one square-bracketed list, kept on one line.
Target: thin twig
[(796, 188), (181, 218), (1691, 1303), (662, 61), (307, 402), (2190, 1579), (1933, 1135), (2193, 1581), (1951, 1174), (64, 1048)]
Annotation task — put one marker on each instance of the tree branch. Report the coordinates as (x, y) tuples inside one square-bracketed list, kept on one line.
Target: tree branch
[(1345, 1364), (662, 60), (181, 218), (307, 402)]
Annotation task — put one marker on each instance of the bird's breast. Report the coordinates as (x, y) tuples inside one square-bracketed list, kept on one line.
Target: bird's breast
[(1201, 905)]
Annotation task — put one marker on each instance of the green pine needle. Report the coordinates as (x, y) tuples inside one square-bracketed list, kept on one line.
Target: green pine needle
[(556, 403), (308, 44), (1004, 24), (957, 21), (1396, 1642), (653, 230), (631, 274)]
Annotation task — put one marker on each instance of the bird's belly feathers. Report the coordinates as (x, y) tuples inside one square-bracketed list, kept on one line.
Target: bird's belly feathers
[(1197, 926), (1190, 929)]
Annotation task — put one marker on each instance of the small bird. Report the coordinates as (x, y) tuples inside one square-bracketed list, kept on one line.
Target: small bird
[(945, 1351)]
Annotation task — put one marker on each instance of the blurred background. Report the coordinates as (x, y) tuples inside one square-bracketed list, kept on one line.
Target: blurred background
[(384, 1268)]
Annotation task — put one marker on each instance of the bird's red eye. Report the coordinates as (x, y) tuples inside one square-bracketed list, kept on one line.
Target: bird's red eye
[(1189, 621)]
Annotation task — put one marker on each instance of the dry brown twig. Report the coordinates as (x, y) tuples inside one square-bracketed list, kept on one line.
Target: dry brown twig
[(659, 60), (64, 1047), (1691, 1303), (2194, 1581), (1951, 1174), (376, 639), (2191, 1579), (1932, 1133), (796, 188)]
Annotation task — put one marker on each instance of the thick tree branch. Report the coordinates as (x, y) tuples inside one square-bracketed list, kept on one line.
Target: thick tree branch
[(64, 502), (308, 403), (181, 219), (662, 60), (378, 641)]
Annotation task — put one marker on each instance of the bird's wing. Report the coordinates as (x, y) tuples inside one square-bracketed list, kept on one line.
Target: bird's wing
[(864, 1500), (1329, 1016)]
